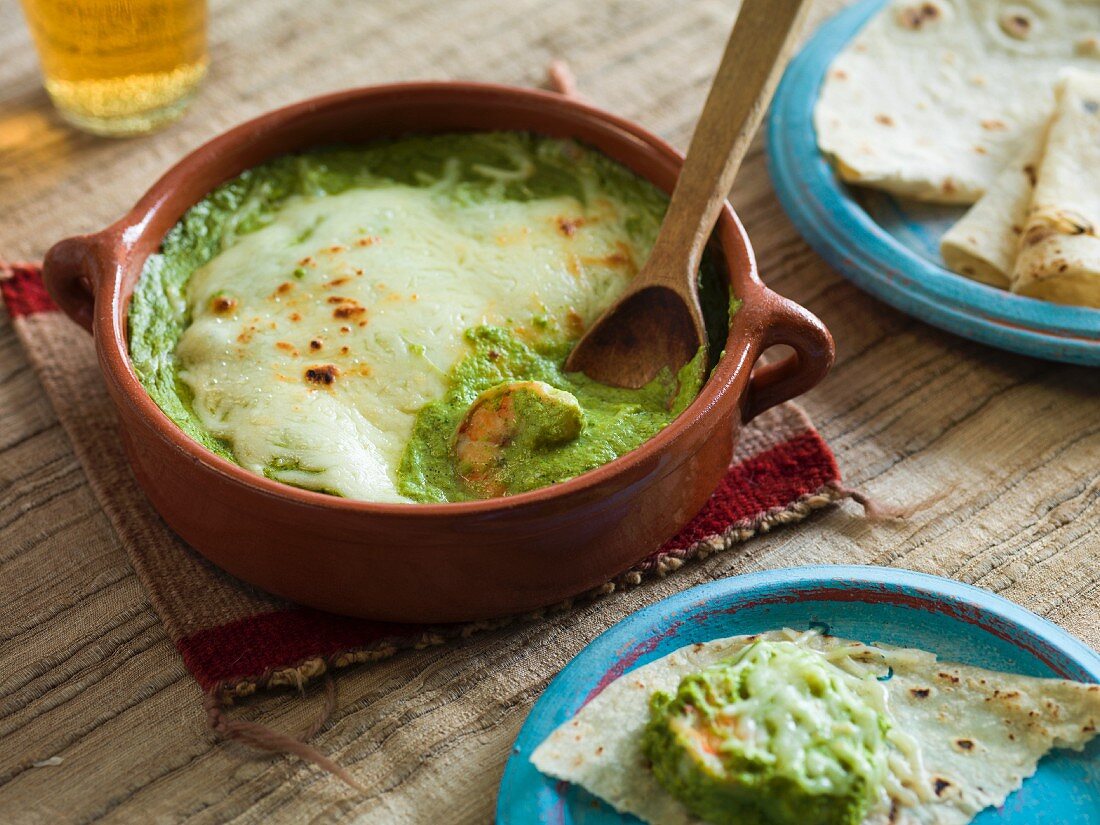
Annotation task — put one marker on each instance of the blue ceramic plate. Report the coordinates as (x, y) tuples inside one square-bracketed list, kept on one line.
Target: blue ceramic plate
[(958, 622), (890, 247)]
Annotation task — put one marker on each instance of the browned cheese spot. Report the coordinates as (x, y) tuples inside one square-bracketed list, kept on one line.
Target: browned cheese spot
[(286, 347), (222, 304), (993, 125), (964, 744), (345, 311), (315, 344), (569, 226), (885, 120), (920, 693), (324, 374), (939, 785), (294, 316)]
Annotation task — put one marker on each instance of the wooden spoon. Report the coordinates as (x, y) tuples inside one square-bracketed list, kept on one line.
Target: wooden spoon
[(658, 322)]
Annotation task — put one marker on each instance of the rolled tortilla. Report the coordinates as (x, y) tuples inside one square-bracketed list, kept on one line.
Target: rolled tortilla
[(1059, 253), (983, 244)]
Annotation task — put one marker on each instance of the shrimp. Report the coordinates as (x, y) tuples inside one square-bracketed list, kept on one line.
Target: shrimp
[(510, 421)]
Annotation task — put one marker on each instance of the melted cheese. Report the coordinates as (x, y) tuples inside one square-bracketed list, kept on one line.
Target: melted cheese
[(316, 339)]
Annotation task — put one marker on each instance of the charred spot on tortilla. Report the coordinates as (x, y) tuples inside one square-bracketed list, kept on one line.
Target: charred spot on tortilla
[(1088, 46), (1016, 24), (918, 16)]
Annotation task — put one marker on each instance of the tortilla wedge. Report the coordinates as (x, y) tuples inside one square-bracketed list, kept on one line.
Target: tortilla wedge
[(1059, 253), (983, 244), (980, 733)]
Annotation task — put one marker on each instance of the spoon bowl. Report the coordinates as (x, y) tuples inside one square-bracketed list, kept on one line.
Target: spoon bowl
[(646, 331)]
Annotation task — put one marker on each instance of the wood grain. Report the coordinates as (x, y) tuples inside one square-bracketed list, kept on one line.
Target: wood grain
[(87, 674)]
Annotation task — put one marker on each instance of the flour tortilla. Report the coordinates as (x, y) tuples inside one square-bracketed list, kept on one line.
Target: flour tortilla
[(981, 733), (1059, 253), (983, 244), (933, 98)]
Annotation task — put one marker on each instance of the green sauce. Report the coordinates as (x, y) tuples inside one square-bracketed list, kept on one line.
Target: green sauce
[(612, 421), (615, 420), (776, 736)]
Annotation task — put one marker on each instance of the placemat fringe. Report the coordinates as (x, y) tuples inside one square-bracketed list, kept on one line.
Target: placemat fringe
[(263, 738)]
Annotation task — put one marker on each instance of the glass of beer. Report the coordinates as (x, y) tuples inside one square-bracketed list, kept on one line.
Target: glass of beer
[(120, 67)]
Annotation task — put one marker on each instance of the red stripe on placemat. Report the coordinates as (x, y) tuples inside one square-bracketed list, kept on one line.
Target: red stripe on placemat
[(248, 648), (23, 291), (774, 479)]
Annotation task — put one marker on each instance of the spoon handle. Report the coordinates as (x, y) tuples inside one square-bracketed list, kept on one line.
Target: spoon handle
[(756, 54)]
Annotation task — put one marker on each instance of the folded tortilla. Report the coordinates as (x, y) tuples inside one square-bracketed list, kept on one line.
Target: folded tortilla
[(1059, 253), (983, 244), (933, 98), (980, 733)]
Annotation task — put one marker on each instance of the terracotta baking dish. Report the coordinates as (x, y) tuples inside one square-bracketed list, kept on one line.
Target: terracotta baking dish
[(417, 562)]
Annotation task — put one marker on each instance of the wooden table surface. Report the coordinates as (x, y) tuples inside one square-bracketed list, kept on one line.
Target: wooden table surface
[(87, 673)]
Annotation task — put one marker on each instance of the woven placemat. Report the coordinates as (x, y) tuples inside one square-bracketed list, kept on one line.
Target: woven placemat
[(235, 639)]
